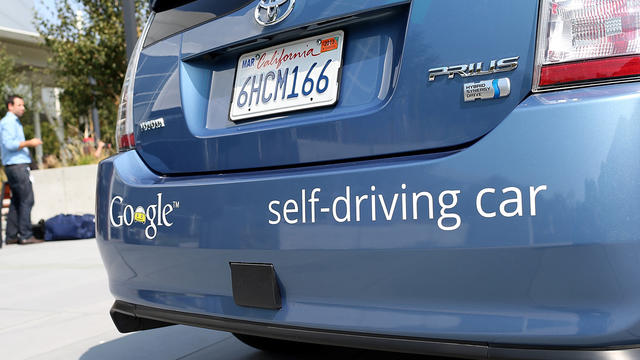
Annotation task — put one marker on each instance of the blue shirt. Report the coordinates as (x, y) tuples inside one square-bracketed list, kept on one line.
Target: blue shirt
[(11, 135)]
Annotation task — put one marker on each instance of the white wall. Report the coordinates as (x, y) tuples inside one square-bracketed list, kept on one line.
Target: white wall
[(67, 190)]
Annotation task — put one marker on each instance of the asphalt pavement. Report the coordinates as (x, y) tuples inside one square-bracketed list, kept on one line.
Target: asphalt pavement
[(54, 305)]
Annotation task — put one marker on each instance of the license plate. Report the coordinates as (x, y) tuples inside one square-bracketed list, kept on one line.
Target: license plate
[(298, 75)]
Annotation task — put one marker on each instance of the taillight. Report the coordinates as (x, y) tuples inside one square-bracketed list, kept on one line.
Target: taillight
[(125, 139), (587, 41)]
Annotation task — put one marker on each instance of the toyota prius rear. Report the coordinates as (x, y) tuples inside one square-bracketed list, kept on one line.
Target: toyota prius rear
[(452, 177)]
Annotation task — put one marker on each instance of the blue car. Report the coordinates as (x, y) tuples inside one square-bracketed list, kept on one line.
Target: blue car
[(444, 177)]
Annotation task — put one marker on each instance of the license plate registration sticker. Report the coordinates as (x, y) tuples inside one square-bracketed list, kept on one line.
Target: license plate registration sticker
[(297, 75)]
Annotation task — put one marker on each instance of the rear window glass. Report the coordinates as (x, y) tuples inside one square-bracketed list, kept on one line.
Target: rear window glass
[(170, 22)]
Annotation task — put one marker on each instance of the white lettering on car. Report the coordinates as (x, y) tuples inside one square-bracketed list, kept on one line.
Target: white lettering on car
[(153, 215), (395, 206)]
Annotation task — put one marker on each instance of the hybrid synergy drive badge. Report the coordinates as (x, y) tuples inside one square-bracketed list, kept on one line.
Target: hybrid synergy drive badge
[(488, 89)]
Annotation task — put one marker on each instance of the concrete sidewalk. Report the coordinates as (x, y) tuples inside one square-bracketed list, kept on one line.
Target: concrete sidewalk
[(54, 304)]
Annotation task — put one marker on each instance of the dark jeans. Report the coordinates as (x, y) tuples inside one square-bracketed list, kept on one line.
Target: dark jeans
[(19, 218)]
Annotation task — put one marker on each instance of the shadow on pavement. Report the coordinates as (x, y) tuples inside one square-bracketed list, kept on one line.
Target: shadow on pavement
[(186, 343), (317, 352)]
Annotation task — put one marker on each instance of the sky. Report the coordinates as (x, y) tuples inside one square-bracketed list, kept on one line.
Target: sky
[(44, 8)]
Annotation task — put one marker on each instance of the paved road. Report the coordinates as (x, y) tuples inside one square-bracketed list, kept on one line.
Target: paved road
[(54, 304)]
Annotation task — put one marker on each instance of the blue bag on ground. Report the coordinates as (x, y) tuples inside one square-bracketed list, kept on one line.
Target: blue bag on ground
[(68, 227)]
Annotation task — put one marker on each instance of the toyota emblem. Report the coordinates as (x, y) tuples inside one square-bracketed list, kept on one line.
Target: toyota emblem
[(270, 12)]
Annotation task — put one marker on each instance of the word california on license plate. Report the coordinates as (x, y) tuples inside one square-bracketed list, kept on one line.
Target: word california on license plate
[(297, 75)]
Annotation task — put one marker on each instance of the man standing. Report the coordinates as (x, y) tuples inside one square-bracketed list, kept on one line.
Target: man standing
[(16, 160)]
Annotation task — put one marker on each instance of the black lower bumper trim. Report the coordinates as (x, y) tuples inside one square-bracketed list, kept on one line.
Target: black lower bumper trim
[(131, 317)]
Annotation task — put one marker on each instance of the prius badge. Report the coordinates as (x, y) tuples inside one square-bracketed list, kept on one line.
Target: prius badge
[(271, 12), (483, 90), (475, 69)]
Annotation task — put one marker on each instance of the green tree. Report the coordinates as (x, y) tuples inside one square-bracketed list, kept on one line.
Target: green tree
[(89, 45), (8, 76), (50, 144), (26, 81)]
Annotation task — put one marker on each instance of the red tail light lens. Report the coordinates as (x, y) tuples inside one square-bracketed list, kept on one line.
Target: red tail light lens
[(587, 41), (127, 141)]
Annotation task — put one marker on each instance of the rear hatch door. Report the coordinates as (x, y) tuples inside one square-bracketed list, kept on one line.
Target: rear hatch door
[(384, 104)]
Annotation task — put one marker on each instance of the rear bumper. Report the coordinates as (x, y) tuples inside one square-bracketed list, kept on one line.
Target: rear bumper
[(125, 314), (541, 247)]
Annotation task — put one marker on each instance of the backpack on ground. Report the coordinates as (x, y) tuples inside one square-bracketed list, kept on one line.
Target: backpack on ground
[(68, 227)]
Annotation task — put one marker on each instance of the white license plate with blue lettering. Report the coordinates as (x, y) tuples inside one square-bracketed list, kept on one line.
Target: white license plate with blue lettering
[(298, 75)]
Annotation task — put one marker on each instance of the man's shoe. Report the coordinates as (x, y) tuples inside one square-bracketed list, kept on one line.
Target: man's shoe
[(9, 241), (31, 240)]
